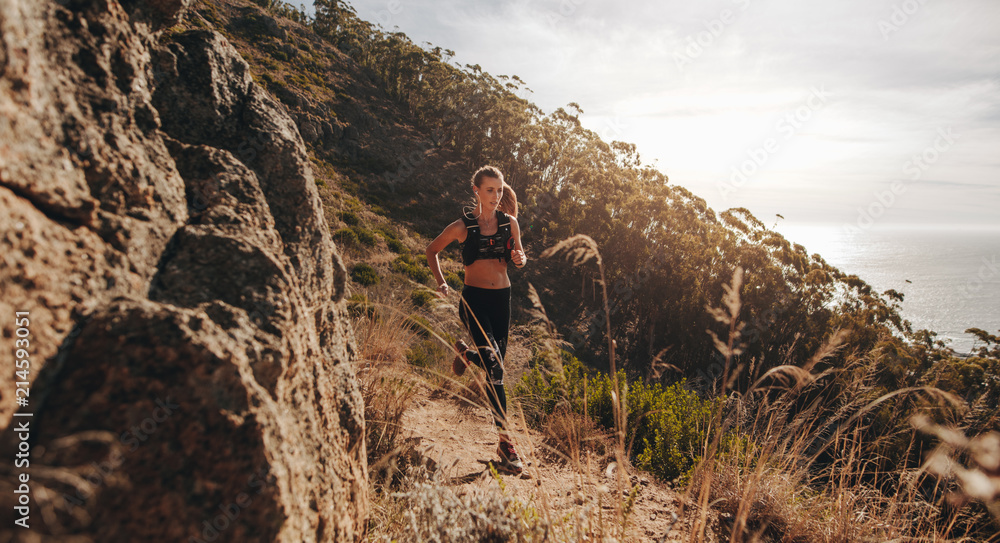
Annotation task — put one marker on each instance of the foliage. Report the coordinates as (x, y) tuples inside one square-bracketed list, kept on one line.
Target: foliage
[(665, 427), (413, 266), (454, 280), (365, 275), (346, 237), (364, 235), (349, 218), (426, 353), (392, 239), (421, 297)]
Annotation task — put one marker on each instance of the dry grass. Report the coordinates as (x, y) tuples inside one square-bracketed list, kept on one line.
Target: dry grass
[(571, 435), (788, 462), (383, 333)]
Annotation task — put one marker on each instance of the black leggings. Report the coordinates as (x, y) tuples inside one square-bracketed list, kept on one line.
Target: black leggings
[(491, 309)]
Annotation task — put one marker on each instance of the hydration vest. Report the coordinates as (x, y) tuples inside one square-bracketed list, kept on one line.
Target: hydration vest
[(479, 247)]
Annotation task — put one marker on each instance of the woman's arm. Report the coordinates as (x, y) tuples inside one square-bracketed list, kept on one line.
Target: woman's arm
[(517, 255), (451, 233)]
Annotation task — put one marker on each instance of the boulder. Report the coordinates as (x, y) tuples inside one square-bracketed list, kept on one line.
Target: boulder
[(191, 356)]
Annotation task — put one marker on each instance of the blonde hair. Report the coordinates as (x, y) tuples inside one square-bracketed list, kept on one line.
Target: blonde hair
[(508, 200)]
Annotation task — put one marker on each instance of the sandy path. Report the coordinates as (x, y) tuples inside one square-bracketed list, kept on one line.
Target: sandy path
[(454, 435)]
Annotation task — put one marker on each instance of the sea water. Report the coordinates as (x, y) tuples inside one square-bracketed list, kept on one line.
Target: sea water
[(950, 278)]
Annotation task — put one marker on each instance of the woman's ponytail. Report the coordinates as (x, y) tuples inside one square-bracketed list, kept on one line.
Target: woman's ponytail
[(508, 202)]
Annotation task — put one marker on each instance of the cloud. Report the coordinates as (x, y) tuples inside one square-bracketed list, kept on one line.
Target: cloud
[(898, 71)]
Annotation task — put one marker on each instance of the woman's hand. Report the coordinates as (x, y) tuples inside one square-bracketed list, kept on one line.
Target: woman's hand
[(442, 290), (518, 257)]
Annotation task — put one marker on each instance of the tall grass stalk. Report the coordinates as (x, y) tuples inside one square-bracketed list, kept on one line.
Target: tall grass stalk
[(730, 348), (581, 248)]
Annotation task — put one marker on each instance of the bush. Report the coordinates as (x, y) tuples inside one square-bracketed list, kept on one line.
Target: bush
[(455, 280), (392, 240), (671, 423), (346, 237), (349, 218), (413, 267), (540, 395), (427, 353), (665, 426), (365, 275), (396, 246), (365, 235), (421, 297)]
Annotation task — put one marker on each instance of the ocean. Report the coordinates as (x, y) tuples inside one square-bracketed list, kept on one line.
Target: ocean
[(950, 278)]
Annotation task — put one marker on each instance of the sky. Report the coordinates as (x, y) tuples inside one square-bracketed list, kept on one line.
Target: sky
[(854, 114)]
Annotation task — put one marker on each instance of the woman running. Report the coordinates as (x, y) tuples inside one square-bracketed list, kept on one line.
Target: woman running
[(490, 238)]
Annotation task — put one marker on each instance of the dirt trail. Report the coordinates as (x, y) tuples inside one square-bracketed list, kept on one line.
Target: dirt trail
[(455, 434)]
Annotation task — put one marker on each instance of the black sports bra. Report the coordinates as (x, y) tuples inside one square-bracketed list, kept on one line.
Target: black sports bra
[(480, 247)]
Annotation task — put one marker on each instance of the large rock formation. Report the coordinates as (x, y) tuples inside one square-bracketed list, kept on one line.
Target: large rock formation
[(190, 374)]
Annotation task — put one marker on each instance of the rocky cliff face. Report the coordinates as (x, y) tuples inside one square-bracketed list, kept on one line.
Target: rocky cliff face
[(190, 355)]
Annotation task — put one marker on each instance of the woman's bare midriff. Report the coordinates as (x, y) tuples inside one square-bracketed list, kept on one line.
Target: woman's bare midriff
[(490, 273)]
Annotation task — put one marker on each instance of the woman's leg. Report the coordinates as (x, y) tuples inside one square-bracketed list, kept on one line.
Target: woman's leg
[(492, 309), (479, 310)]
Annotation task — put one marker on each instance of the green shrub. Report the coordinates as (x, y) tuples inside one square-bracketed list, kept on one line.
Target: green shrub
[(392, 240), (365, 275), (540, 392), (421, 297), (345, 236), (396, 246), (454, 280), (349, 218), (665, 426), (671, 424), (413, 267), (365, 235), (387, 232), (426, 353)]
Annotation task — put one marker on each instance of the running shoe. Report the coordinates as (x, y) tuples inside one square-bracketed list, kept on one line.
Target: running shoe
[(508, 456)]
